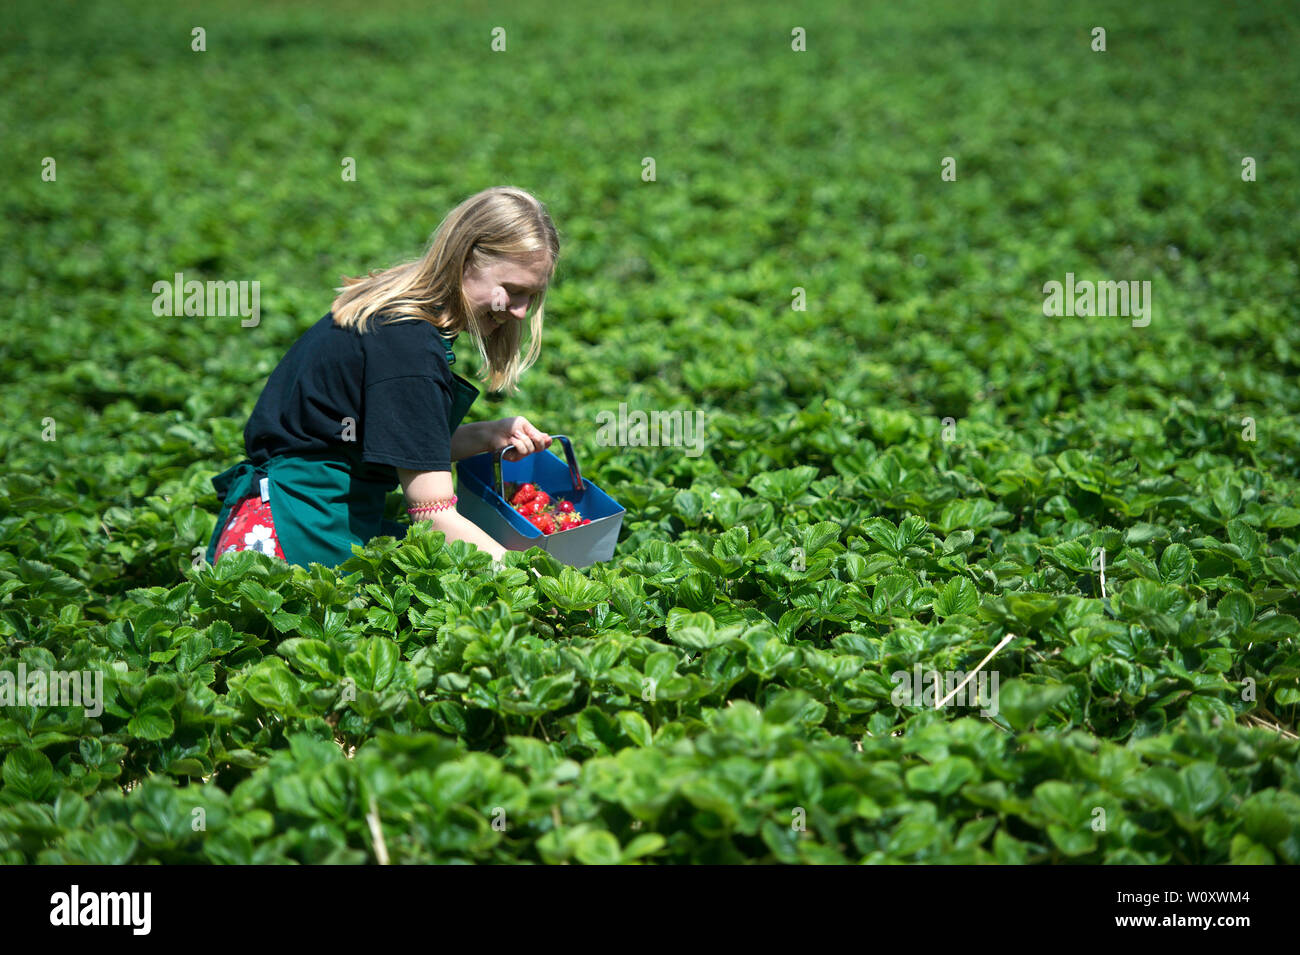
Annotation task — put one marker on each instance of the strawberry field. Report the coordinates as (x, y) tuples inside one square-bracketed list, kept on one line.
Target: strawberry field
[(907, 468)]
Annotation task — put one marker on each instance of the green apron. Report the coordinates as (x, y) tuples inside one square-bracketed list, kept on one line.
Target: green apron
[(325, 502)]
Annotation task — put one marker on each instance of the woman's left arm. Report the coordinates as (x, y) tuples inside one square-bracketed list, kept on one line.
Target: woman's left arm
[(473, 438), (480, 436)]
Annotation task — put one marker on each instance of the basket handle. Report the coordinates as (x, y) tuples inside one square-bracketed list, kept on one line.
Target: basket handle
[(574, 472)]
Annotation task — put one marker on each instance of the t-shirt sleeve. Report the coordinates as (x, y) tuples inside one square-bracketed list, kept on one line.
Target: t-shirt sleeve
[(408, 389)]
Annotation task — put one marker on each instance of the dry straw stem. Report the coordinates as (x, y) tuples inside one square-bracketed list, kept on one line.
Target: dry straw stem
[(1252, 719), (376, 833), (971, 675)]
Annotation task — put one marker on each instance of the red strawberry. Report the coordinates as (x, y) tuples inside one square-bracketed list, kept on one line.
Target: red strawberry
[(525, 494), (546, 524), (565, 506), (543, 497)]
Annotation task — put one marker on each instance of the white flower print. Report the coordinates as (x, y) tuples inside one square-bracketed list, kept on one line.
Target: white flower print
[(259, 539)]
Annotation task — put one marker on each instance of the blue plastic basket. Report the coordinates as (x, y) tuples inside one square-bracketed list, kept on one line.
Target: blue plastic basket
[(480, 481)]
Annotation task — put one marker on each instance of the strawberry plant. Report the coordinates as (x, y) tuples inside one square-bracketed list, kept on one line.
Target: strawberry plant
[(913, 473)]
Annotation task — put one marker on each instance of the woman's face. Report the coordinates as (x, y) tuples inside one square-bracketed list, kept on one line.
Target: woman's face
[(505, 291)]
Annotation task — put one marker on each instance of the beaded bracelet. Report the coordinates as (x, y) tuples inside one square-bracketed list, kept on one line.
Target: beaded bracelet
[(419, 508)]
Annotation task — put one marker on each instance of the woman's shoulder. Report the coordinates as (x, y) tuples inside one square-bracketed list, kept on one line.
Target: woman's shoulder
[(403, 325), (410, 332), (323, 336), (404, 342)]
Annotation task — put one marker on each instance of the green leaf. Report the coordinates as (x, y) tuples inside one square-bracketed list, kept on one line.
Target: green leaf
[(1022, 703), (598, 848), (1237, 607), (784, 486), (1141, 565), (1009, 850), (268, 602), (1205, 784), (373, 664), (1021, 611), (1175, 564), (1072, 841), (1161, 785), (1244, 537), (688, 506), (1274, 627), (1227, 500), (1059, 801), (271, 684), (27, 773), (1282, 517), (820, 535), (643, 845), (636, 728), (958, 542), (596, 730), (695, 631), (105, 845), (160, 691), (1245, 851), (974, 514), (944, 777), (1287, 696), (958, 596), (571, 591), (312, 656), (70, 810), (1141, 533), (151, 722)]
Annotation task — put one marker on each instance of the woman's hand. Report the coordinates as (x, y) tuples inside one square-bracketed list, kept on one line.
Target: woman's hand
[(520, 433)]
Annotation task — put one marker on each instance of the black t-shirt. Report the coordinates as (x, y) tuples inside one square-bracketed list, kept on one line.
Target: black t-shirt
[(393, 381)]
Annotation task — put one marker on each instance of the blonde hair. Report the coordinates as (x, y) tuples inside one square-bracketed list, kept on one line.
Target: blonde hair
[(498, 224)]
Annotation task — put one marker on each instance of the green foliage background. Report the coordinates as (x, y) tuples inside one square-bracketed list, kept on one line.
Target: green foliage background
[(520, 698)]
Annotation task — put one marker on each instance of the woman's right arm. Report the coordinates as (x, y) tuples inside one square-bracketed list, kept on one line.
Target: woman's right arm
[(423, 486)]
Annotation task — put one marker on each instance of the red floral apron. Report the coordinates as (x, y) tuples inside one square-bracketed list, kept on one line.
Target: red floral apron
[(250, 528)]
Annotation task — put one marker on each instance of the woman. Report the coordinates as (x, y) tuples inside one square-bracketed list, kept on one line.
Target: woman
[(366, 397)]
